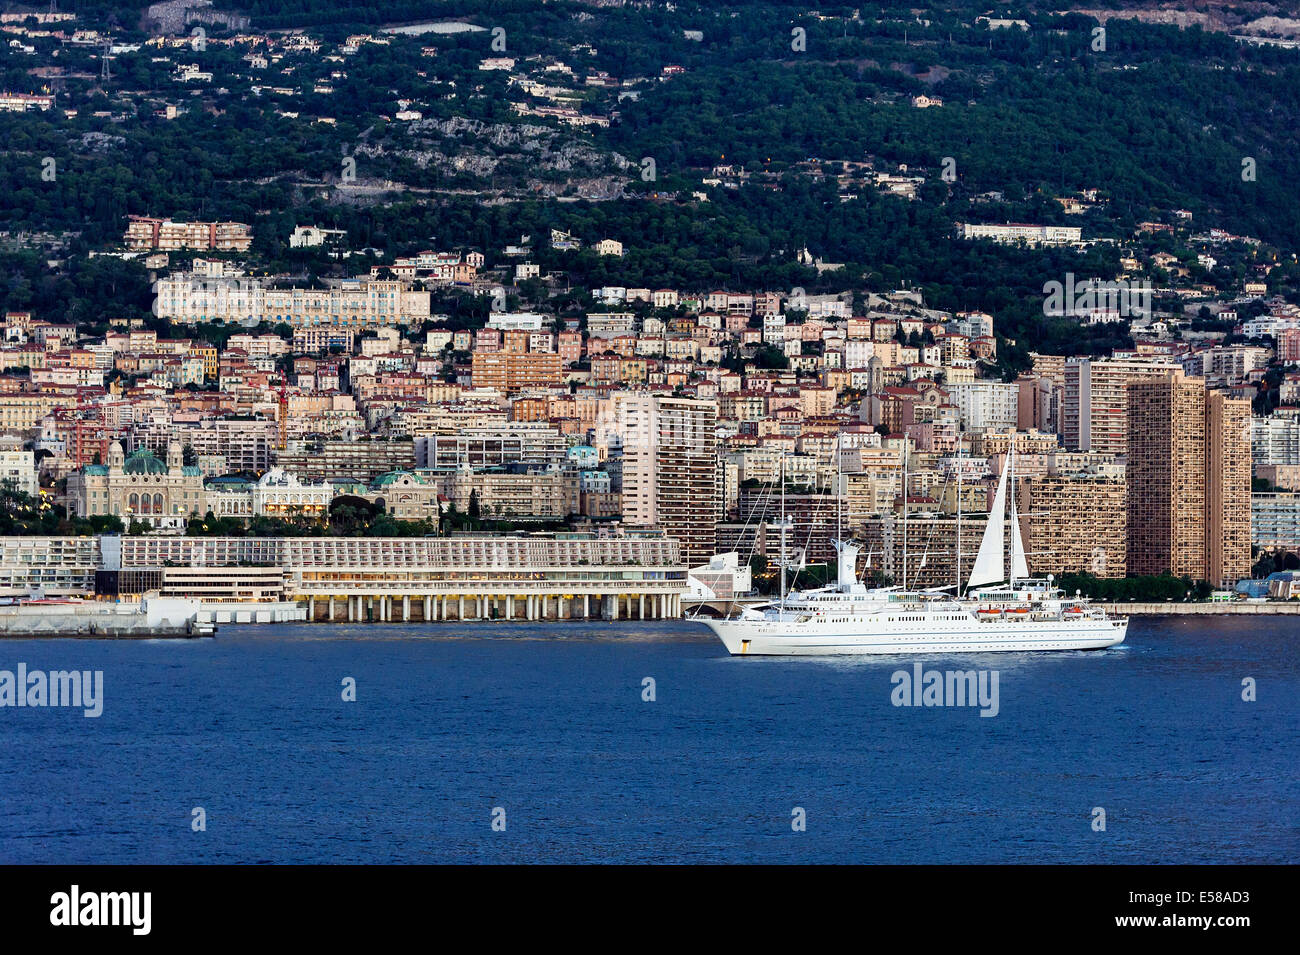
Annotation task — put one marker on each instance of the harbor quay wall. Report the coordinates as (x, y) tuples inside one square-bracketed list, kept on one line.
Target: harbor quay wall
[(1213, 607)]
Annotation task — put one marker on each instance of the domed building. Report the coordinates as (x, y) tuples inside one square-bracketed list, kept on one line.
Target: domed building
[(406, 495), (139, 486)]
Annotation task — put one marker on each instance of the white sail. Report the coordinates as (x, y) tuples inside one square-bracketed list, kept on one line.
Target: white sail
[(988, 562), (1019, 567)]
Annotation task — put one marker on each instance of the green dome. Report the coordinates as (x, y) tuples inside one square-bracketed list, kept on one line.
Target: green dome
[(393, 476), (143, 461)]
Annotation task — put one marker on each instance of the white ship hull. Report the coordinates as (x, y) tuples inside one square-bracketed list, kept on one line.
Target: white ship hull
[(859, 637)]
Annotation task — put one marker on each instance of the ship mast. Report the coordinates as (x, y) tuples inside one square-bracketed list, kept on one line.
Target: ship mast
[(781, 472), (1011, 480), (1015, 525), (957, 591), (904, 512)]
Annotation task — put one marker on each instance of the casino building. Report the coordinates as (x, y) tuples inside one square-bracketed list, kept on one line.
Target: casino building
[(139, 486)]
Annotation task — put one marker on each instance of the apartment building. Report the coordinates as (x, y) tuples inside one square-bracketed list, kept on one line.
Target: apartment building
[(23, 412), (147, 233), (1188, 481), (1015, 232), (667, 452), (520, 495), (1076, 523), (1094, 402), (1275, 519), (1275, 440), (514, 371), (512, 443), (985, 405), (361, 461), (18, 467), (243, 444)]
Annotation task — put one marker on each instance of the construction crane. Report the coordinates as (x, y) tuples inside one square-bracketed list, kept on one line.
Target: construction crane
[(283, 416)]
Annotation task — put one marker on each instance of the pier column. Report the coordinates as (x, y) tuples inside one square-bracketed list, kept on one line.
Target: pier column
[(460, 614), (406, 607), (641, 613), (311, 608), (586, 606), (510, 608), (331, 601), (349, 600), (545, 601)]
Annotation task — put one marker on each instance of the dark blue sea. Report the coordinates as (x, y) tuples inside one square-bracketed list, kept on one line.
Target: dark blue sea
[(547, 726)]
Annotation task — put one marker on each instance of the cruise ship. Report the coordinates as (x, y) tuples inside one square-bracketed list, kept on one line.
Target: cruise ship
[(1002, 609)]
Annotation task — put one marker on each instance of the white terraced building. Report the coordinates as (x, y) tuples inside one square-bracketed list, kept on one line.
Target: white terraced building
[(55, 566), (537, 577), (459, 578)]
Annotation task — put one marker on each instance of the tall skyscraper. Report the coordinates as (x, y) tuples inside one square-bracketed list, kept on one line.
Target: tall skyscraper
[(1094, 409), (1227, 493), (668, 451), (1188, 481)]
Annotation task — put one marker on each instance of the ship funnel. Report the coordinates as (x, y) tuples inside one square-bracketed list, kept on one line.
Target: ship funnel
[(846, 554)]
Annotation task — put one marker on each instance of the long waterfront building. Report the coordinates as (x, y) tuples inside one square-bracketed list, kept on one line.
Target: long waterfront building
[(357, 578)]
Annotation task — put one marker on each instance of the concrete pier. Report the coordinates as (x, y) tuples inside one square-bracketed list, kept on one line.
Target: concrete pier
[(150, 618)]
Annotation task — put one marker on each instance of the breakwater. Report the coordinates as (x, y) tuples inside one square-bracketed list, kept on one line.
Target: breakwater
[(150, 618)]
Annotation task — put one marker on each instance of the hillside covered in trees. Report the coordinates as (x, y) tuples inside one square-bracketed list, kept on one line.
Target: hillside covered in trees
[(1152, 118)]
